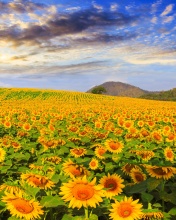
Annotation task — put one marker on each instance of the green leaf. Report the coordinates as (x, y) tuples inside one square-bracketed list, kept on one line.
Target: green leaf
[(93, 217), (109, 166), (31, 190), (172, 211), (146, 197), (13, 218), (67, 217), (78, 218), (55, 178), (152, 183), (85, 140), (51, 201), (137, 188)]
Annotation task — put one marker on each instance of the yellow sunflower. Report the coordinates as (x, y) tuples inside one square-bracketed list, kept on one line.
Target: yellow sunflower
[(169, 154), (78, 152), (73, 170), (36, 180), (79, 192), (27, 126), (145, 155), (112, 184), (2, 154), (127, 209), (128, 167), (114, 146), (160, 172), (21, 207), (53, 159), (10, 188), (7, 124), (151, 214), (93, 164), (137, 175), (99, 151)]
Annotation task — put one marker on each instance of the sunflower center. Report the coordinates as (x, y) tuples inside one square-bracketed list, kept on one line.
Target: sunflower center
[(139, 177), (101, 151), (125, 210), (75, 172), (38, 181), (159, 171), (114, 145), (169, 154), (83, 192), (22, 206), (110, 184), (78, 151)]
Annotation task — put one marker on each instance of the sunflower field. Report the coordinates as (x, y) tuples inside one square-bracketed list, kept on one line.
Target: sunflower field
[(72, 155)]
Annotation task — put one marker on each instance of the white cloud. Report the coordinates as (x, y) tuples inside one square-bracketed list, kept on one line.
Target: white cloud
[(155, 6), (167, 10), (168, 19), (154, 20), (114, 7)]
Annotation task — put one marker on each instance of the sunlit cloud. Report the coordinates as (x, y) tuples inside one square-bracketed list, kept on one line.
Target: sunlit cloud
[(167, 10)]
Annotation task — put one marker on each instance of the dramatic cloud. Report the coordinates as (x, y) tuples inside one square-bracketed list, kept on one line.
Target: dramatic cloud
[(89, 41)]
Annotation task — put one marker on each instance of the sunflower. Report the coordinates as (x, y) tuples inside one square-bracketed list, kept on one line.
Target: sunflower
[(53, 159), (27, 126), (140, 123), (112, 184), (93, 164), (78, 152), (79, 192), (152, 214), (146, 155), (2, 154), (128, 167), (21, 207), (128, 124), (160, 172), (171, 137), (7, 124), (137, 175), (98, 124), (99, 151), (157, 136), (36, 180), (169, 154), (127, 209), (114, 146), (74, 170), (10, 187)]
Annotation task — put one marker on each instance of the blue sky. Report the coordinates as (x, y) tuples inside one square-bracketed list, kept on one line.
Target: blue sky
[(75, 45)]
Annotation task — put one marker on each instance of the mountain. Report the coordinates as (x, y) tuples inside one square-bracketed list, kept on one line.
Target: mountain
[(121, 89)]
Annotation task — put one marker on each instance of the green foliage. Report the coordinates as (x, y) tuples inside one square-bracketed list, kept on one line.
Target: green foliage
[(98, 90), (169, 95)]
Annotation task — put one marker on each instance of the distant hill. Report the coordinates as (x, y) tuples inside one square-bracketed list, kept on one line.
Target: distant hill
[(121, 89)]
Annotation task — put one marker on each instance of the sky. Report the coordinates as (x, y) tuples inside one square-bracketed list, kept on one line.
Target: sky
[(75, 45)]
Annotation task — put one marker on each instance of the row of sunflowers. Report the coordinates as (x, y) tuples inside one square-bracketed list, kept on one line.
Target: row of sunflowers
[(69, 155)]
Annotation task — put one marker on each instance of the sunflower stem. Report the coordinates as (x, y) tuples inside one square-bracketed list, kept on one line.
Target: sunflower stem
[(86, 213), (162, 190)]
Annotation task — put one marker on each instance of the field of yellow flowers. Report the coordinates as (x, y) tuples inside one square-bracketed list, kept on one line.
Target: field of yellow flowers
[(70, 155)]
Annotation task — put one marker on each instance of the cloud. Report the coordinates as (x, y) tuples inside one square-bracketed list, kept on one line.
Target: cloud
[(20, 6), (61, 24), (167, 10), (114, 7), (168, 19)]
